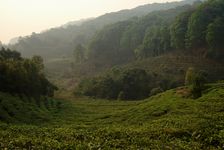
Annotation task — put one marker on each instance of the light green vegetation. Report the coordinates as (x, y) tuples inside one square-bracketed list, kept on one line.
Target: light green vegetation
[(166, 121)]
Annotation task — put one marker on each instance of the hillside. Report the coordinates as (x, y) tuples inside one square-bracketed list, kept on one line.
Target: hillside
[(166, 121), (170, 67), (145, 78), (23, 109), (60, 42)]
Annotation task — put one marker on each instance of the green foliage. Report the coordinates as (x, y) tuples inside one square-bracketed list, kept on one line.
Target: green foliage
[(165, 121), (135, 84), (215, 38), (23, 109), (23, 76), (127, 85), (199, 21), (196, 79), (6, 54), (179, 30), (105, 46), (198, 82), (141, 37), (155, 43)]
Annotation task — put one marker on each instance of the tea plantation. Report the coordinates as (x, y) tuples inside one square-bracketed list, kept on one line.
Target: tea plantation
[(170, 120)]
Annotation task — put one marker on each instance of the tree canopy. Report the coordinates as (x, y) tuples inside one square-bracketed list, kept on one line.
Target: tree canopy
[(23, 76)]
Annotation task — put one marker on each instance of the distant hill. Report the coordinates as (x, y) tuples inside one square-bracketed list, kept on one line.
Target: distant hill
[(78, 22), (60, 42)]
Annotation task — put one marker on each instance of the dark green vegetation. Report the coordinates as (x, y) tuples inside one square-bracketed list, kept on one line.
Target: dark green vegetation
[(23, 76), (117, 84), (193, 29), (185, 31), (22, 109), (166, 121)]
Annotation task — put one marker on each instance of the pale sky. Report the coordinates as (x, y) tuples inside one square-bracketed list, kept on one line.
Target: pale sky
[(22, 17)]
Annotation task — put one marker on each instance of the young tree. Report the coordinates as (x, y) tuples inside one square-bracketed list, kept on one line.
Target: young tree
[(196, 80), (179, 29), (199, 80)]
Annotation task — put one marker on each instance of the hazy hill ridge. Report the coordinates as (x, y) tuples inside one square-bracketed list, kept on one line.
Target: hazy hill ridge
[(60, 42)]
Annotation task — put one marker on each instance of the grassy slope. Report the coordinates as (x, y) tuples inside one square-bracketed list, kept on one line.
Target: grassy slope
[(15, 109), (165, 121)]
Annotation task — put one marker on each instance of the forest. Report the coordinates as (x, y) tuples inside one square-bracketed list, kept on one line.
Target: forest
[(158, 33), (23, 76)]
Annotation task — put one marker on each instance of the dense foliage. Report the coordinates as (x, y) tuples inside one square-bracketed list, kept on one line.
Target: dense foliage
[(195, 27), (23, 76), (124, 84), (202, 28), (138, 37), (129, 84)]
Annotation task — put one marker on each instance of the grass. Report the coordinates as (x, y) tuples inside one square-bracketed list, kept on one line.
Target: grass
[(165, 121)]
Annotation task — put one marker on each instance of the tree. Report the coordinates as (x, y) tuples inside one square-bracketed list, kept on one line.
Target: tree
[(23, 76), (135, 84), (195, 79), (199, 80), (179, 29), (199, 21), (38, 60), (215, 38), (156, 42), (9, 54)]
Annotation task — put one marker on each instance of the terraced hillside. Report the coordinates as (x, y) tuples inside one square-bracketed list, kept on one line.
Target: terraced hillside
[(169, 120)]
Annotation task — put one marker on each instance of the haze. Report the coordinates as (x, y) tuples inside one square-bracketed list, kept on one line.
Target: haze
[(22, 17)]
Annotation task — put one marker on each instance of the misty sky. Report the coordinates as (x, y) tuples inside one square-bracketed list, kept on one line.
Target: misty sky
[(22, 17)]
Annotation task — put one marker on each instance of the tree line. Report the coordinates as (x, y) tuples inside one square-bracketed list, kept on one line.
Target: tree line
[(23, 76), (124, 84), (196, 28)]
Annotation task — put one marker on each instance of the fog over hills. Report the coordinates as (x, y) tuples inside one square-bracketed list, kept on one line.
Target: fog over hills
[(61, 41)]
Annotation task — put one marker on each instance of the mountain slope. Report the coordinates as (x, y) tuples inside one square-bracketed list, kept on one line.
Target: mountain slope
[(60, 42)]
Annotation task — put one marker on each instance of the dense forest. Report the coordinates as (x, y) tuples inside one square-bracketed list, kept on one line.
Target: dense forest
[(161, 32), (185, 29)]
